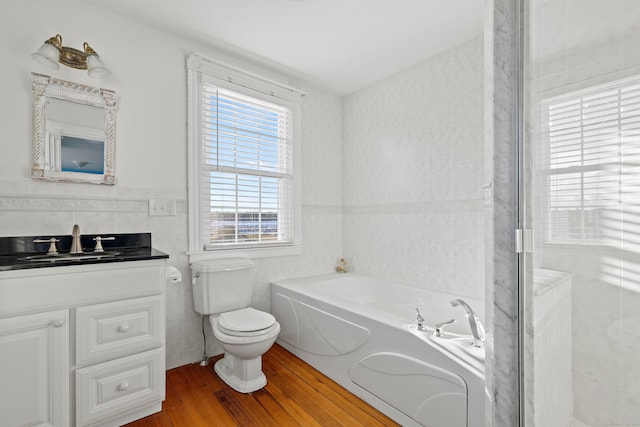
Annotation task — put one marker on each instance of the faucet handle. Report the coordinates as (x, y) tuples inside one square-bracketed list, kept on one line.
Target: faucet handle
[(439, 327), (99, 240), (420, 321), (53, 250)]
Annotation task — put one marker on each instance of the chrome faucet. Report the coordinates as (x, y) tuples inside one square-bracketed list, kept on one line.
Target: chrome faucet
[(76, 246), (420, 321), (477, 330), (439, 327)]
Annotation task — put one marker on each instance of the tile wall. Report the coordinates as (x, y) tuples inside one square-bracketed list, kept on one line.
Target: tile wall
[(413, 171)]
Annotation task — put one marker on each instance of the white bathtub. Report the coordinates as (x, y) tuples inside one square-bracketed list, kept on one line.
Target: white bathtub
[(361, 332)]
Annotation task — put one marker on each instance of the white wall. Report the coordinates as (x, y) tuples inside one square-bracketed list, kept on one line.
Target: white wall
[(413, 174), (149, 78)]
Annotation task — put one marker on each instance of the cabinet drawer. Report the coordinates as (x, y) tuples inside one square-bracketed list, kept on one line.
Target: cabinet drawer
[(40, 289), (114, 387), (106, 331)]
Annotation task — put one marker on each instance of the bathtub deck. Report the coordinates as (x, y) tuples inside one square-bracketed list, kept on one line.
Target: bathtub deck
[(296, 395)]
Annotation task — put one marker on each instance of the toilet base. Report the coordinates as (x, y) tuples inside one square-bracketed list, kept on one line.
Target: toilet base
[(244, 376)]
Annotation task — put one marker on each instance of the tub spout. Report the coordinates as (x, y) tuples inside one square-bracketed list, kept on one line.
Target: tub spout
[(477, 330), (76, 246)]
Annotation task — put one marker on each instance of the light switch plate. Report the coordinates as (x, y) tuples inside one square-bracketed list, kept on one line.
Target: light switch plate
[(162, 207)]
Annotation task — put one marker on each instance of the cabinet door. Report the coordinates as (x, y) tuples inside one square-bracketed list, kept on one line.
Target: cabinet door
[(34, 367)]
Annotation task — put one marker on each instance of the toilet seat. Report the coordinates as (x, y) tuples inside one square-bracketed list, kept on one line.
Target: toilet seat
[(246, 322)]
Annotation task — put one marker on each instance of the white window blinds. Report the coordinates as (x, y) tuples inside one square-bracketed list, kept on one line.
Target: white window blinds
[(592, 157), (246, 170)]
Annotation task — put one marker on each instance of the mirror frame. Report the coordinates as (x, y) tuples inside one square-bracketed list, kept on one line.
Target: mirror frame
[(46, 87)]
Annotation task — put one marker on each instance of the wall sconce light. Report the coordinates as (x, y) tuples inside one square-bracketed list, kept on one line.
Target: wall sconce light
[(52, 52)]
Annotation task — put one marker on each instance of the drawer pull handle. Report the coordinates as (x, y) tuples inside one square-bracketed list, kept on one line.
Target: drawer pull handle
[(123, 387), (124, 328), (57, 323)]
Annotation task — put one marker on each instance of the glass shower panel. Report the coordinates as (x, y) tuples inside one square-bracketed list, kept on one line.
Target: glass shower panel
[(581, 168)]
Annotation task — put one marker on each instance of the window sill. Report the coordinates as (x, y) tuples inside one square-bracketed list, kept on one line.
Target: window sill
[(195, 256), (581, 246)]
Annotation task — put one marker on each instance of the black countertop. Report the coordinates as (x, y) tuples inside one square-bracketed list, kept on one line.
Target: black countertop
[(18, 253)]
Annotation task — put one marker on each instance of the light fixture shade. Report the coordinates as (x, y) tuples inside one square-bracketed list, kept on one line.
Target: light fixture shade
[(96, 68), (52, 52), (48, 55)]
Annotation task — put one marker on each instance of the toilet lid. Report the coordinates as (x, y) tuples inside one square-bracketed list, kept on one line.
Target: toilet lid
[(246, 321)]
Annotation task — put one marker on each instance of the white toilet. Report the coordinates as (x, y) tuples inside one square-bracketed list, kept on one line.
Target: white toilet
[(222, 289)]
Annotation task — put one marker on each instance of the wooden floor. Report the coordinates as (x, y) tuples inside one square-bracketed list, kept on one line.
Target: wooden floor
[(296, 395)]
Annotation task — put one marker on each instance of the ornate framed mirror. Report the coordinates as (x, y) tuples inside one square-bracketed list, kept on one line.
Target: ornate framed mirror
[(74, 132)]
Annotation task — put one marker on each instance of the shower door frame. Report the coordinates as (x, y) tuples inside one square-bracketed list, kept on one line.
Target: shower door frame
[(503, 147)]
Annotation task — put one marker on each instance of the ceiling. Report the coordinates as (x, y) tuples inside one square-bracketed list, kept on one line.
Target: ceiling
[(340, 45)]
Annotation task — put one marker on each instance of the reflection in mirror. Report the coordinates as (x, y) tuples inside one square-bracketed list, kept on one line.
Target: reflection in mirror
[(75, 137), (73, 132)]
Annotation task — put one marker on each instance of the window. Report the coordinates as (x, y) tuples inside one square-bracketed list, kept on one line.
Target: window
[(592, 153), (243, 170)]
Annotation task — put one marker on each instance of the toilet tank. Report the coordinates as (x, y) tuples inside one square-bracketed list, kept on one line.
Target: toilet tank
[(222, 285)]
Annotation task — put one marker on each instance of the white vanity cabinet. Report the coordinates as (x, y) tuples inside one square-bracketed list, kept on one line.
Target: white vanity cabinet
[(82, 345)]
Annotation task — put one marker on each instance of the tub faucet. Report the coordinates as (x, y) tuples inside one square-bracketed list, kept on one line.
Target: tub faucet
[(477, 330), (76, 246)]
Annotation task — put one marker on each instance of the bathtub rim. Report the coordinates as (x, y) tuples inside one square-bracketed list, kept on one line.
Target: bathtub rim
[(300, 286)]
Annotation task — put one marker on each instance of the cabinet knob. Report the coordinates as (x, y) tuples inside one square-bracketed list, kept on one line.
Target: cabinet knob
[(124, 328), (57, 323), (123, 387)]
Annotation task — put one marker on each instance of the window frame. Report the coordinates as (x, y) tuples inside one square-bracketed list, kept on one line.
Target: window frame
[(202, 70)]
